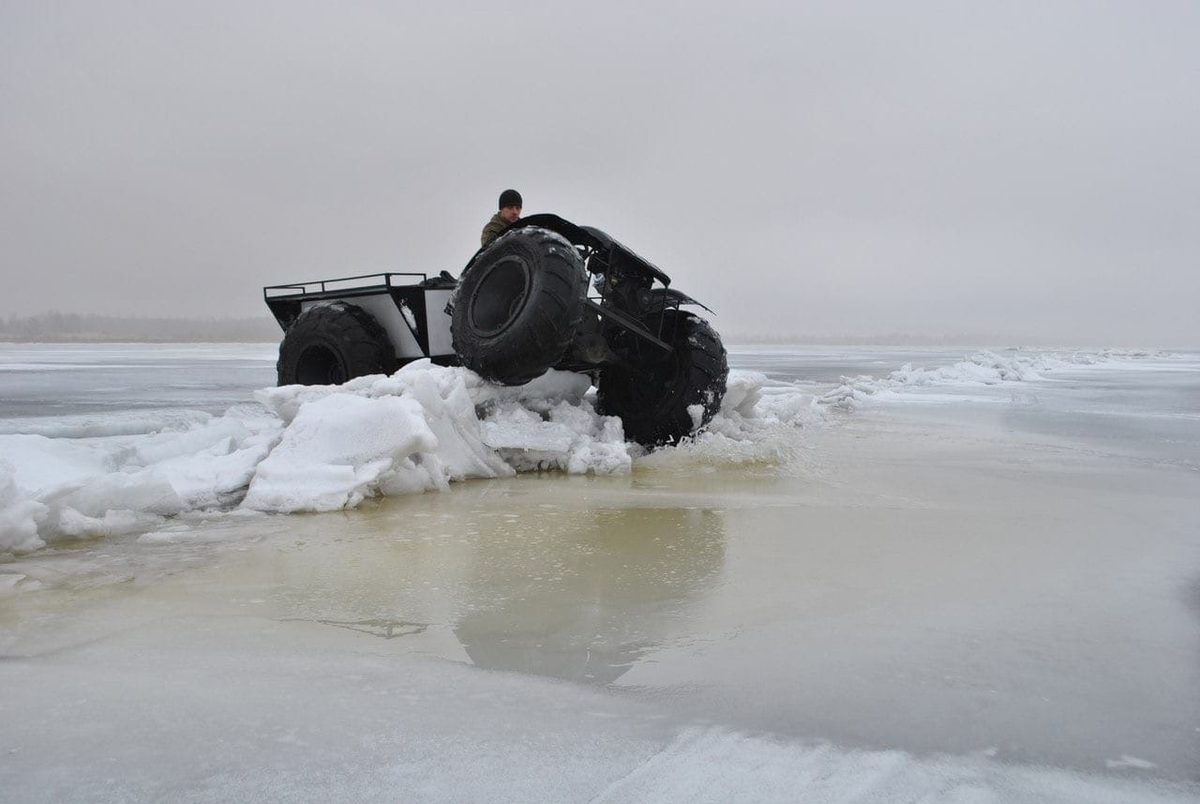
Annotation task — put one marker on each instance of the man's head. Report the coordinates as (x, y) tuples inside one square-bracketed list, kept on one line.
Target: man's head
[(510, 205)]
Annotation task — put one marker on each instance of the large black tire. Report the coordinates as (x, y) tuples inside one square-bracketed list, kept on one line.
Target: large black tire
[(517, 308), (652, 397), (329, 344)]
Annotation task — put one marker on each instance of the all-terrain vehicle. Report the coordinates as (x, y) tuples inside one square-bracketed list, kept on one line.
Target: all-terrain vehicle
[(521, 306)]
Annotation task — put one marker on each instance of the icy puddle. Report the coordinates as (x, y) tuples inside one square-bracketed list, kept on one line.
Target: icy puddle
[(911, 611)]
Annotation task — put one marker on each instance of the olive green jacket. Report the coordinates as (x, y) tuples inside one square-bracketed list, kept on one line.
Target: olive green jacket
[(494, 227)]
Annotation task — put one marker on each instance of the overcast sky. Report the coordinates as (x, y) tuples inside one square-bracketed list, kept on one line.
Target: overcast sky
[(1028, 170)]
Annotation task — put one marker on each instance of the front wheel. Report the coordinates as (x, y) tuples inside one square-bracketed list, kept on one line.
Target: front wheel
[(661, 399), (517, 308)]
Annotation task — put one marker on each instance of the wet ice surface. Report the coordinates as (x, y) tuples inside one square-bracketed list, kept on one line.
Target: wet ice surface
[(944, 593), (56, 381)]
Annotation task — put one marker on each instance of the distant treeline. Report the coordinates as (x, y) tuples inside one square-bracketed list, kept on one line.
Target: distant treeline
[(55, 327)]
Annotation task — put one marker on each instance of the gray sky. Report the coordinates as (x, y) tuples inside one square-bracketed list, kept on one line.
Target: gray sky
[(1024, 169)]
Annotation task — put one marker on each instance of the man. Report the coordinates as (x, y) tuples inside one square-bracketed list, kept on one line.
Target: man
[(510, 212)]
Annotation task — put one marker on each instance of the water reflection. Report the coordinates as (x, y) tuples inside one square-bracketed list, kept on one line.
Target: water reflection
[(570, 577), (614, 587)]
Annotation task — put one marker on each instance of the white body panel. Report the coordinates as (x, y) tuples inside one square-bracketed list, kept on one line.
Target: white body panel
[(399, 330)]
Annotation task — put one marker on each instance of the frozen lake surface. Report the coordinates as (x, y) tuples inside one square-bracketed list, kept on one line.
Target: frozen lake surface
[(894, 575)]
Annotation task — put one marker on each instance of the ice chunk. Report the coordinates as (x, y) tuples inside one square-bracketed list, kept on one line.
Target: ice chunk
[(743, 390), (515, 427), (19, 516), (163, 446), (216, 476), (72, 524), (40, 464), (141, 490), (337, 451)]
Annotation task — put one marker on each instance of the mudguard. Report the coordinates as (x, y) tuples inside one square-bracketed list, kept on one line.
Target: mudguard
[(670, 297), (589, 237)]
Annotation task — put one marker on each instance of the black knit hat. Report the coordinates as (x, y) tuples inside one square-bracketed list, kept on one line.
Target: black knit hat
[(510, 198)]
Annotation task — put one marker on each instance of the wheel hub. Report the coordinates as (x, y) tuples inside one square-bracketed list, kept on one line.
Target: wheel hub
[(318, 365), (500, 296)]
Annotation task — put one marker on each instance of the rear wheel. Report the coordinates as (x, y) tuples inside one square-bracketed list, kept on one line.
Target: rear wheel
[(329, 344), (662, 398), (517, 308)]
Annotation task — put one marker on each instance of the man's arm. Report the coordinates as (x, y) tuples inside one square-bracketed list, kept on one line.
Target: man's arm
[(493, 228)]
